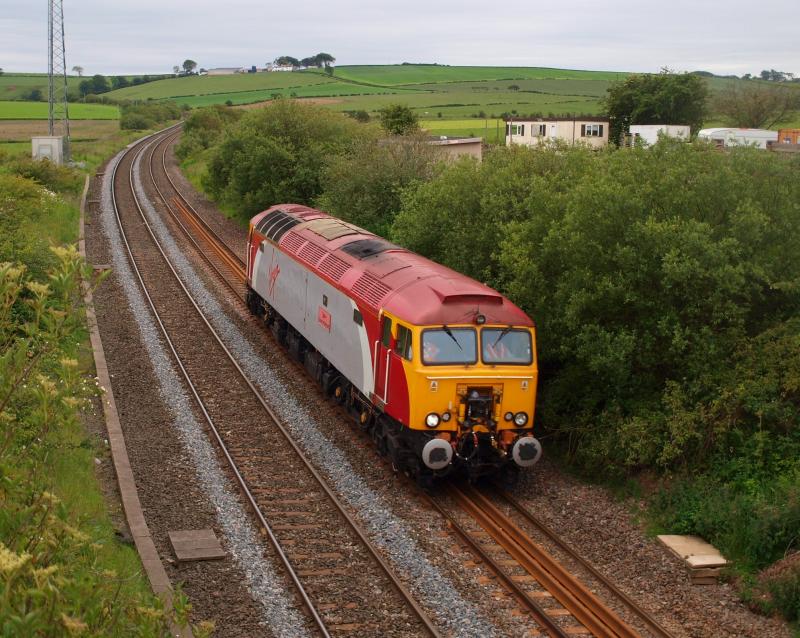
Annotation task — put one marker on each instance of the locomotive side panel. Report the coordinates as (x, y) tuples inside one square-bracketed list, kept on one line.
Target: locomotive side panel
[(336, 331), (282, 282), (320, 312)]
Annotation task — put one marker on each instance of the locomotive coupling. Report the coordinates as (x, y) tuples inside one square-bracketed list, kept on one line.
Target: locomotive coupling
[(526, 451)]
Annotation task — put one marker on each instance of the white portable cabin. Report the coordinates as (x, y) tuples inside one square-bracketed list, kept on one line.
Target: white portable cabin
[(649, 133), (739, 136)]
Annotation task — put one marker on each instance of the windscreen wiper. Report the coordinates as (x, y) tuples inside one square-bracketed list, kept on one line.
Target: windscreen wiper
[(501, 335), (452, 336)]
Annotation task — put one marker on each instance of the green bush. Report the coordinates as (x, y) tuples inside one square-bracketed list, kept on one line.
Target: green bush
[(61, 179), (205, 127), (785, 593), (276, 154), (363, 186), (50, 579), (142, 116)]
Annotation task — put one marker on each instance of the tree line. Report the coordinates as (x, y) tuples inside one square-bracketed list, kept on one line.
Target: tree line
[(684, 98)]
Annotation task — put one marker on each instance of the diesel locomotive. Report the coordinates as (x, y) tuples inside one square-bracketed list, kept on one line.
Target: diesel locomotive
[(441, 370)]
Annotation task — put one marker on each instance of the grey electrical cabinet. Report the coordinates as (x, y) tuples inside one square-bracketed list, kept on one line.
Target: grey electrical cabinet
[(49, 147)]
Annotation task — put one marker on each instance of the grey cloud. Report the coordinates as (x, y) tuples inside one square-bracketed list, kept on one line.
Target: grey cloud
[(153, 35)]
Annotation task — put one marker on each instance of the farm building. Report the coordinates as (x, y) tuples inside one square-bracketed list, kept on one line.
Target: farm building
[(455, 147), (789, 136), (648, 133), (587, 130), (225, 71), (725, 137)]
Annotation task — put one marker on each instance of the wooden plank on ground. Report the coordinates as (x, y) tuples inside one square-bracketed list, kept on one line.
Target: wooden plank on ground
[(196, 544)]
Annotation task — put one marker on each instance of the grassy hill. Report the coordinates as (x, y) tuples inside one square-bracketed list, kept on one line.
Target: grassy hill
[(403, 74), (15, 86), (453, 92)]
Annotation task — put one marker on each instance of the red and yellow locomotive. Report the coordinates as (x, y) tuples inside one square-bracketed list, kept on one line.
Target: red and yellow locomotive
[(438, 367)]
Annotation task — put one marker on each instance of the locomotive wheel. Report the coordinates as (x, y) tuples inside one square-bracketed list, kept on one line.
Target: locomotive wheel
[(365, 420), (339, 393)]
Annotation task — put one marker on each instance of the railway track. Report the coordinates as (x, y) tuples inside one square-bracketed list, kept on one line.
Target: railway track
[(542, 585), (549, 535), (326, 557), (558, 602)]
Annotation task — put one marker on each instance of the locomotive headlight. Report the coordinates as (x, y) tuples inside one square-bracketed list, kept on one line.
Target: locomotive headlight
[(520, 418), (446, 416), (508, 416), (432, 420)]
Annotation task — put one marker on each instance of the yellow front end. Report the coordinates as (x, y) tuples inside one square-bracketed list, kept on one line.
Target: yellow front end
[(487, 394)]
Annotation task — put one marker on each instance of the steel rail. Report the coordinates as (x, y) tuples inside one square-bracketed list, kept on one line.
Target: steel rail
[(537, 611), (400, 588), (573, 595), (210, 237), (645, 616), (208, 231), (273, 540)]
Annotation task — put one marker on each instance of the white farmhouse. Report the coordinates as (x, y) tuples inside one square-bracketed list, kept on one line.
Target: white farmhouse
[(592, 131)]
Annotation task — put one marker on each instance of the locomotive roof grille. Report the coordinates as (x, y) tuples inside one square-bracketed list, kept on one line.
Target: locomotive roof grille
[(370, 289), (334, 267), (292, 242), (363, 248), (311, 253), (275, 225)]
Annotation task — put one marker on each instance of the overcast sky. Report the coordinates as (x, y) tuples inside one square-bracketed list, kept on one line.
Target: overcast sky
[(150, 36)]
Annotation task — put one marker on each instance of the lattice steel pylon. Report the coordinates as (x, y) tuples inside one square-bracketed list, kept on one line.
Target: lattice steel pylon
[(58, 114)]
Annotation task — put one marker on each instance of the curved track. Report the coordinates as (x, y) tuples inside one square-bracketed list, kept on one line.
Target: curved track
[(325, 555)]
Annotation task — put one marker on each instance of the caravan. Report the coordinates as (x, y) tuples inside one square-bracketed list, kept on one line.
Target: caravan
[(726, 137)]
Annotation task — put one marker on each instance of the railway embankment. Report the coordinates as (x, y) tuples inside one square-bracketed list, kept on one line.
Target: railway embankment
[(61, 545)]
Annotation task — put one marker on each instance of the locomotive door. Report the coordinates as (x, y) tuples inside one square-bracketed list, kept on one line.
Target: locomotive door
[(382, 353)]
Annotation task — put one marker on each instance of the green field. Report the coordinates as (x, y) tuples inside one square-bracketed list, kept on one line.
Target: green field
[(491, 130), (456, 92), (394, 74), (327, 90), (18, 110), (14, 86)]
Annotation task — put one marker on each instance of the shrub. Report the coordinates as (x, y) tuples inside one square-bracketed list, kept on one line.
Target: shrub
[(48, 567), (363, 185), (52, 176), (399, 119), (141, 116), (205, 127), (276, 154), (785, 593)]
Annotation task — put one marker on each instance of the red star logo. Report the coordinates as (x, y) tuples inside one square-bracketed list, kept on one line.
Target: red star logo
[(273, 277)]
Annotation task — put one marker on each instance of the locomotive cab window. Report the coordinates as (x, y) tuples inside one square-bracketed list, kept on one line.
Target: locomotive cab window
[(449, 346), (403, 344), (386, 336), (506, 346)]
